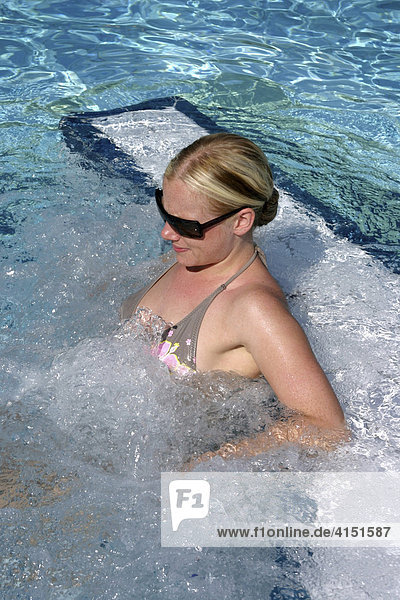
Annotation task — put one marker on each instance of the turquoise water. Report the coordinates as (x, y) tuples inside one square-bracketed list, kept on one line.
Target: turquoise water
[(88, 421), (317, 84)]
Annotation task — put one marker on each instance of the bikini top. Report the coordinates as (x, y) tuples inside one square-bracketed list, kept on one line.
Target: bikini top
[(179, 342)]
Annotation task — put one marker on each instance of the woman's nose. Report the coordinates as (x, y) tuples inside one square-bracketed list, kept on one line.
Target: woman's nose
[(169, 234)]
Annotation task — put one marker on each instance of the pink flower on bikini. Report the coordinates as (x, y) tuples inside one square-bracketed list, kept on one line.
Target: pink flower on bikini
[(165, 351), (188, 342)]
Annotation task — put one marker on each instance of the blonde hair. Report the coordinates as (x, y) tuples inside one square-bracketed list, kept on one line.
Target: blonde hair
[(231, 171)]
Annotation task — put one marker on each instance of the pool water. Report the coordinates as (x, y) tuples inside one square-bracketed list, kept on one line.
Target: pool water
[(89, 419)]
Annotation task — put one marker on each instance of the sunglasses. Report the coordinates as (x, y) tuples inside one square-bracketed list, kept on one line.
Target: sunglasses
[(186, 227)]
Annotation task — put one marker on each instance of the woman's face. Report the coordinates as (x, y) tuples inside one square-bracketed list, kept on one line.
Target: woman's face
[(182, 201)]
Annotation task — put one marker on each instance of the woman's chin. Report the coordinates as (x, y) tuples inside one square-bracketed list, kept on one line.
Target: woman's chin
[(189, 261), (185, 257)]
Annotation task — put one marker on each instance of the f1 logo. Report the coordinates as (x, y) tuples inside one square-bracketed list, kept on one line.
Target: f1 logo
[(188, 499)]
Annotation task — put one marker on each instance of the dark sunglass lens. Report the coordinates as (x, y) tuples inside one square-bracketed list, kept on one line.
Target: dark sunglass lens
[(184, 227), (195, 232)]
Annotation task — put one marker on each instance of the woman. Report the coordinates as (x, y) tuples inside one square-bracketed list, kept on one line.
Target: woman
[(221, 307)]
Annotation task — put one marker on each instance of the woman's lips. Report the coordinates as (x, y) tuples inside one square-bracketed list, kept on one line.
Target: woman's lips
[(178, 249)]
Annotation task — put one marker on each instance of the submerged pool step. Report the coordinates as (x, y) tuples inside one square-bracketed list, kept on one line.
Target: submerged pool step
[(136, 142)]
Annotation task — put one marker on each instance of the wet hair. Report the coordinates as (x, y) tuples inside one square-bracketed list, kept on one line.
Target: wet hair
[(231, 171)]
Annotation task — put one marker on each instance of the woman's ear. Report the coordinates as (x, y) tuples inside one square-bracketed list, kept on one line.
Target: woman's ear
[(244, 221)]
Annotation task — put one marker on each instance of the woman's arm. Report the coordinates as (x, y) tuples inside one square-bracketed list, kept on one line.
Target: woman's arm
[(283, 354), (296, 429), (281, 350)]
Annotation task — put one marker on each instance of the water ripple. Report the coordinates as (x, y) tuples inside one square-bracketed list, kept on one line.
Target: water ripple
[(326, 60), (310, 45)]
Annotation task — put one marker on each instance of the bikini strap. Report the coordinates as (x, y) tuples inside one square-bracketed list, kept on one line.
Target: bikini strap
[(199, 312), (223, 286)]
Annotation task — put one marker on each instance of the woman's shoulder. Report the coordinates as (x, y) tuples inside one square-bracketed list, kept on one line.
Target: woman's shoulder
[(258, 298), (260, 287)]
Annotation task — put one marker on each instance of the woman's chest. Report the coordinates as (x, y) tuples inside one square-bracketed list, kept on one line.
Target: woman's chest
[(219, 347), (173, 297)]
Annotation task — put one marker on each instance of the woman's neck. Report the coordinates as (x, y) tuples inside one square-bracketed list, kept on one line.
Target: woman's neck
[(234, 260)]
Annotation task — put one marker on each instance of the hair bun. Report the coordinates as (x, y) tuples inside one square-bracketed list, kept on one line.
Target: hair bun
[(269, 210)]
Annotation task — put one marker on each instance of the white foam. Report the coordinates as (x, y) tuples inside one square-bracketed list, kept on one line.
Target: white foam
[(151, 137), (90, 418)]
